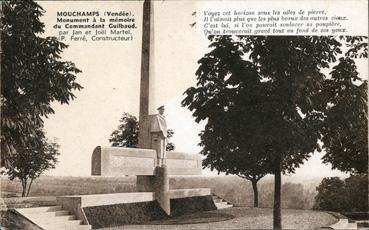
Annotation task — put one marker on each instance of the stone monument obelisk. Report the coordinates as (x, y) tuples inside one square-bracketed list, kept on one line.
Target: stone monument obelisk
[(147, 42), (147, 71), (161, 179)]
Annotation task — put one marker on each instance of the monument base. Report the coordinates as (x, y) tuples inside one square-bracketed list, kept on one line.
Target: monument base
[(110, 210), (122, 214), (144, 212)]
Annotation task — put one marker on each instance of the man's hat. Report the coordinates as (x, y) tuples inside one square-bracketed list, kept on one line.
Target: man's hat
[(161, 107)]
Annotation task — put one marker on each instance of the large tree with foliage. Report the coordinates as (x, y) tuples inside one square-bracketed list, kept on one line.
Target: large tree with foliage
[(32, 76), (345, 130), (27, 164), (126, 135), (349, 195), (275, 92), (232, 113), (331, 195)]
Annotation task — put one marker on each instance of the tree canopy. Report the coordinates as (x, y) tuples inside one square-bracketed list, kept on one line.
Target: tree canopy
[(126, 135), (345, 129), (269, 100), (32, 76), (229, 102), (348, 195)]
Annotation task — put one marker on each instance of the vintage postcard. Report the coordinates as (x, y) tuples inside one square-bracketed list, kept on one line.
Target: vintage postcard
[(173, 114)]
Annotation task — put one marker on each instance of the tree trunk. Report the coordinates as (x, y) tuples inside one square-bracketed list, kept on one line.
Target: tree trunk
[(277, 217), (24, 187), (256, 194), (29, 187)]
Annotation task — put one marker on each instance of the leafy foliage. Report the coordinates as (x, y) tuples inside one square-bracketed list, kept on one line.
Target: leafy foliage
[(126, 135), (350, 195), (267, 102), (229, 91), (345, 129), (29, 163), (357, 193), (345, 132), (32, 76), (330, 194), (170, 146)]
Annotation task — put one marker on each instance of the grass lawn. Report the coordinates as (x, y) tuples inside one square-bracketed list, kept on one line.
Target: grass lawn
[(242, 218)]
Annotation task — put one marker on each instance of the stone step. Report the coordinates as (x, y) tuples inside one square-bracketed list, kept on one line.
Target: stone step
[(220, 203), (352, 226), (55, 219), (344, 221), (344, 224), (47, 214), (84, 227), (40, 209), (79, 227), (61, 213), (223, 205), (217, 200), (66, 225)]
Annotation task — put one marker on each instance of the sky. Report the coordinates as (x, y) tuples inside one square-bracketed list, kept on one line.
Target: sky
[(111, 77)]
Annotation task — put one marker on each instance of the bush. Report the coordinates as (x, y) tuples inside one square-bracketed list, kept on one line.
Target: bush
[(357, 192), (349, 195)]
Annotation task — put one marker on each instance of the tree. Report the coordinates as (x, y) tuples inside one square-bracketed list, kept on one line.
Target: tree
[(32, 76), (225, 140), (126, 135), (345, 131), (330, 195), (349, 195), (245, 167), (279, 87), (356, 189), (27, 164)]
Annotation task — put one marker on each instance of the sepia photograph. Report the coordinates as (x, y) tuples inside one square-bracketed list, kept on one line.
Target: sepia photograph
[(173, 114)]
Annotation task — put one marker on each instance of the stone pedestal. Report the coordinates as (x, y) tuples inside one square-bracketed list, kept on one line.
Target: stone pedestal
[(115, 161), (162, 194), (151, 178)]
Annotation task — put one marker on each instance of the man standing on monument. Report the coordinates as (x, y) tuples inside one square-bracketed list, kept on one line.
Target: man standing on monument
[(158, 131)]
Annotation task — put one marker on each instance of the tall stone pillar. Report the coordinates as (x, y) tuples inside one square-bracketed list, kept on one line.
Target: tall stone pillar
[(147, 70), (160, 182)]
